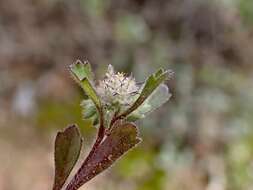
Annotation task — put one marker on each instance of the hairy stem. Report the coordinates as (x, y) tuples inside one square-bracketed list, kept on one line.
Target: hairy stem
[(78, 180)]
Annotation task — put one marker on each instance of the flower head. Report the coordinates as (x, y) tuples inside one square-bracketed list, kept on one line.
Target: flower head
[(117, 88)]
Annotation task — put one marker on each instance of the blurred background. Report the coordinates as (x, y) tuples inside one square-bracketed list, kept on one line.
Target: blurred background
[(202, 139)]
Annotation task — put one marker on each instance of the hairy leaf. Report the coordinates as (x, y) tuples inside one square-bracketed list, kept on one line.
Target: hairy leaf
[(154, 101), (67, 150), (149, 87), (90, 91), (122, 138), (84, 76), (89, 109), (82, 70)]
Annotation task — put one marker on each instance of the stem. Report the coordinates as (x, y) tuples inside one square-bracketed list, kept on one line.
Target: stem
[(114, 119), (77, 181), (136, 104)]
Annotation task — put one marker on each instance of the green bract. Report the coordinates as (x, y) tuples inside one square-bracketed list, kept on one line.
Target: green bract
[(151, 84), (90, 111), (84, 76), (154, 101)]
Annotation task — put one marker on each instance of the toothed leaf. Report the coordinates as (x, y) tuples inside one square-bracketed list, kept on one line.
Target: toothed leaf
[(82, 72)]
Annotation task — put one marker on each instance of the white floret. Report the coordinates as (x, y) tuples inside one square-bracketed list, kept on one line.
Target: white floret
[(117, 88)]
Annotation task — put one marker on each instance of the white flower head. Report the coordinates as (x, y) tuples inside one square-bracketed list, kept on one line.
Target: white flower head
[(117, 88)]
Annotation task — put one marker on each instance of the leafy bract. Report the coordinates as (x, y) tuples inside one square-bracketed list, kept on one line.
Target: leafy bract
[(82, 70), (149, 87), (122, 138), (89, 108), (67, 150), (90, 91), (89, 111), (154, 101), (84, 76)]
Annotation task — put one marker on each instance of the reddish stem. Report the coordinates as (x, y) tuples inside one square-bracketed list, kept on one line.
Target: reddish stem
[(77, 181)]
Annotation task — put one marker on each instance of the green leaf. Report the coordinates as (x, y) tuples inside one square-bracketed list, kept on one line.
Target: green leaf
[(139, 113), (90, 91), (67, 150), (159, 97), (89, 109), (154, 101), (84, 76), (149, 87), (153, 82), (122, 138), (82, 70)]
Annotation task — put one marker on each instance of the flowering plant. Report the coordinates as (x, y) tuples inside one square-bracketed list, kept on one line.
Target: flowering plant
[(113, 104)]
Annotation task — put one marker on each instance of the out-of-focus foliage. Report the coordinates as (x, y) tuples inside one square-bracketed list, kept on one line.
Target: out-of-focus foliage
[(200, 140), (246, 10)]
